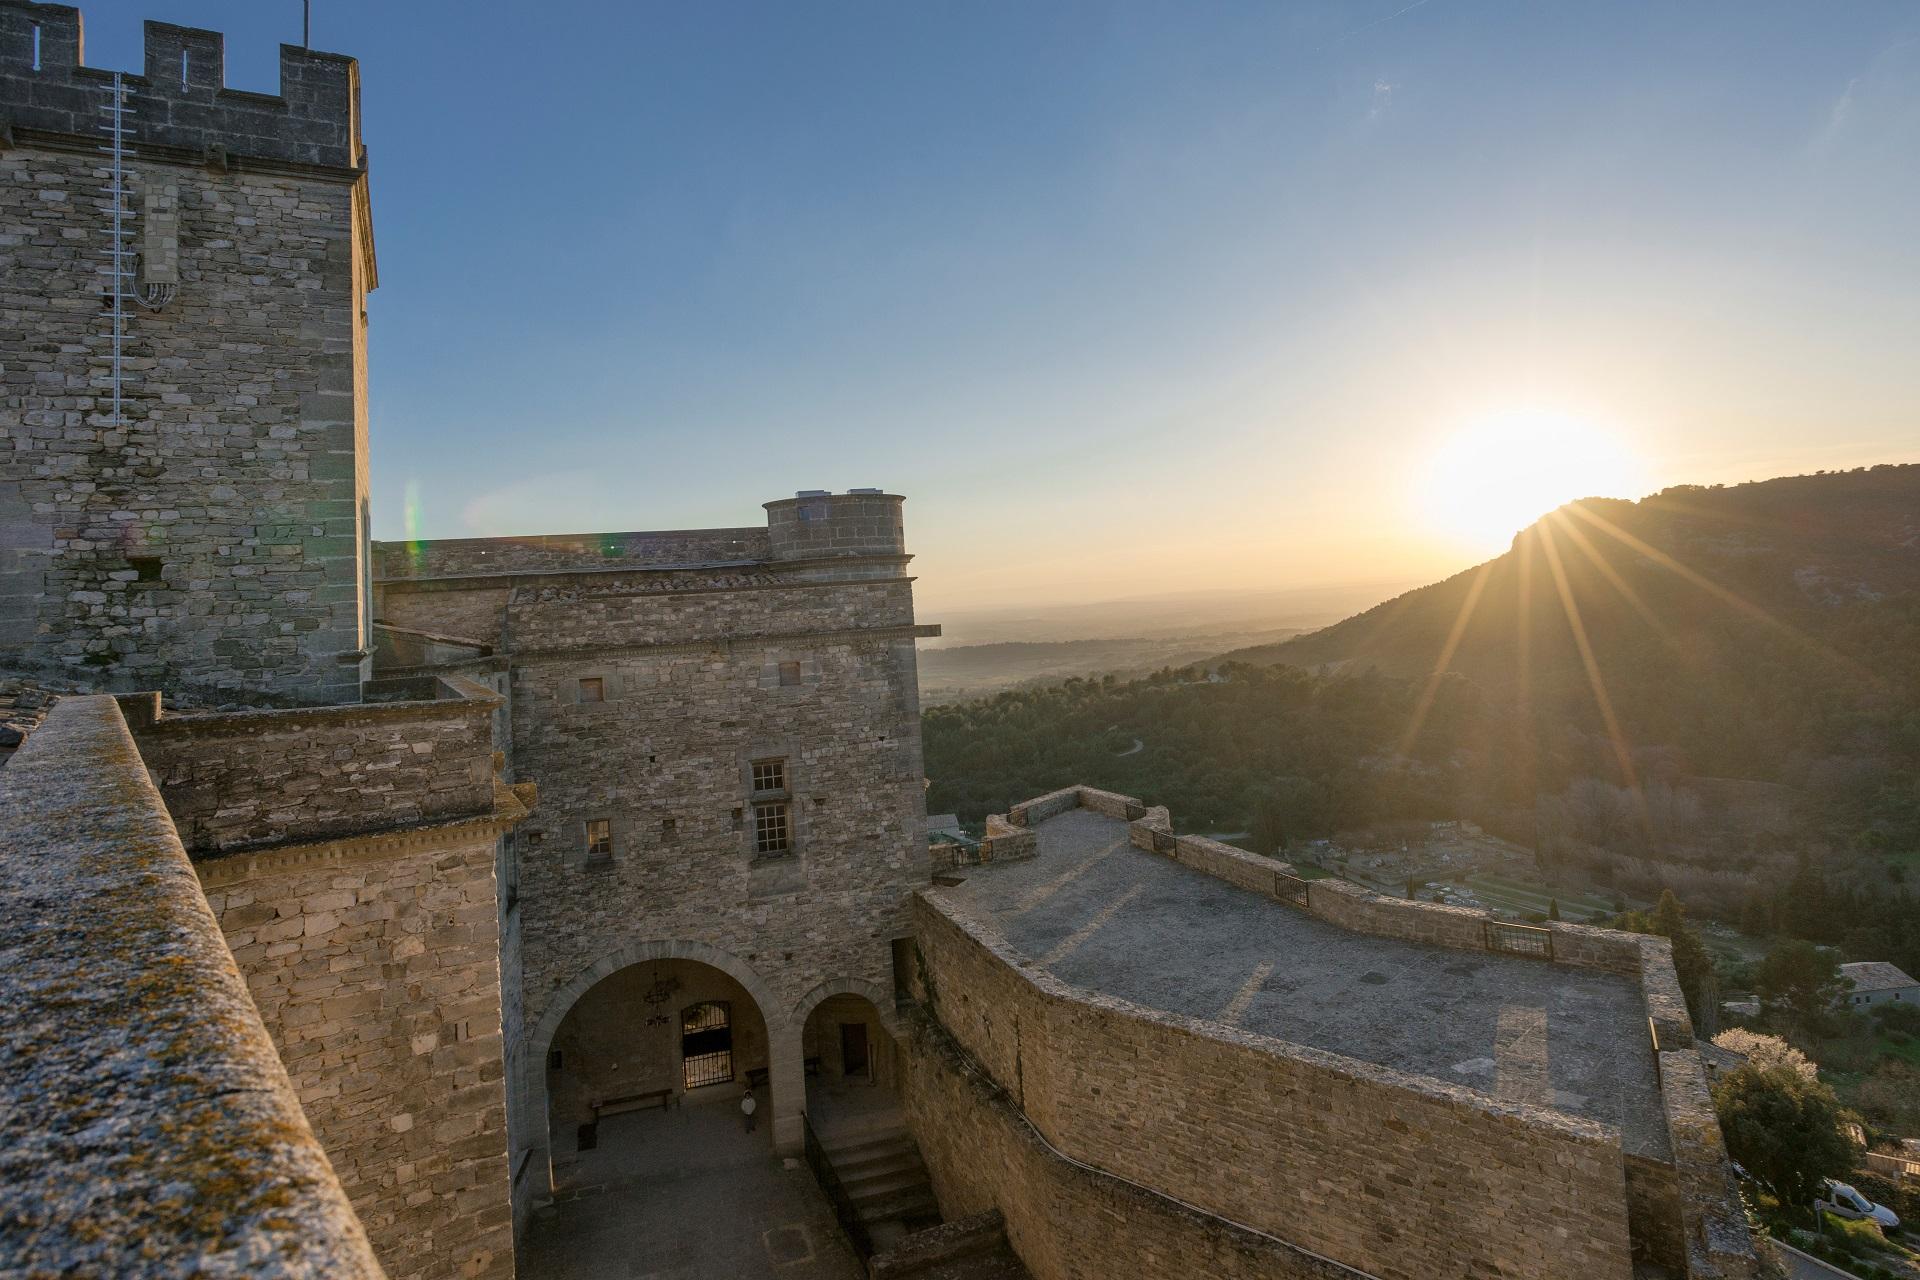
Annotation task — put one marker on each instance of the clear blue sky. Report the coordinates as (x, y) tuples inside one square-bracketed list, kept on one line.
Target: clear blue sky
[(1124, 297)]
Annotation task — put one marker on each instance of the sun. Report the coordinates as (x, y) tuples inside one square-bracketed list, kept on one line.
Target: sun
[(1499, 473)]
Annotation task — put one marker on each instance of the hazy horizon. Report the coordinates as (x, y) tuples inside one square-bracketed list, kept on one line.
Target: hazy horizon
[(1124, 299)]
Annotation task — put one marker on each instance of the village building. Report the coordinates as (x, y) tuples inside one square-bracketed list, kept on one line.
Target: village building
[(1873, 983)]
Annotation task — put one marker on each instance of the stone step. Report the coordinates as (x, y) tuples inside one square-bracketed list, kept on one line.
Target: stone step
[(851, 1171), (875, 1188), (846, 1153), (909, 1202)]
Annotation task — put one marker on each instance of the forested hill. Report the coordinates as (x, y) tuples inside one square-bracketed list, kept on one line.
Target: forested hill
[(1735, 714), (1769, 630)]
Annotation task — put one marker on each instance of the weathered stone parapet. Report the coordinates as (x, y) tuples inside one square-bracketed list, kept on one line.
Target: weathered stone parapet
[(250, 779), (147, 1126), (183, 105), (1712, 1217), (1005, 841), (1462, 1181), (827, 525), (426, 560)]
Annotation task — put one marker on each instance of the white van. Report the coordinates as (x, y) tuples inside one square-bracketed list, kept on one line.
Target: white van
[(1842, 1201)]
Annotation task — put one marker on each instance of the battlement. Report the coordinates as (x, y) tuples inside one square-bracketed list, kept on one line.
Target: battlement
[(181, 107)]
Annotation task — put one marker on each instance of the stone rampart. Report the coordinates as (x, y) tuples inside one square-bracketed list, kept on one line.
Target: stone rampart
[(395, 647), (824, 526), (1410, 1177), (183, 107), (374, 961), (1712, 1217), (1066, 1220), (147, 1127), (248, 779), (210, 538), (568, 552), (1351, 906), (567, 620), (1690, 1199)]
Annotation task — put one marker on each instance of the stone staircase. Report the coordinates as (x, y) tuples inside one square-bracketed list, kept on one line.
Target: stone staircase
[(971, 1249), (880, 1169)]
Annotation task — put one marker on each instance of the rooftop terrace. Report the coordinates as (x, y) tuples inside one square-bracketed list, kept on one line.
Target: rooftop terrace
[(1116, 920)]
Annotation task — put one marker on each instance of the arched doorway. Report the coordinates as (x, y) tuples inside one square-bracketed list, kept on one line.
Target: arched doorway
[(654, 1037), (852, 1064)]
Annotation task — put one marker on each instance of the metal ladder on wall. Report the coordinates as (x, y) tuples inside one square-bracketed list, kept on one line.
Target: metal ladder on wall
[(120, 256)]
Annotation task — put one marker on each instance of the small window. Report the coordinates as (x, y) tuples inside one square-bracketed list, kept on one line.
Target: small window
[(769, 775), (772, 831), (666, 828), (599, 838), (789, 674), (739, 819), (593, 689), (147, 567)]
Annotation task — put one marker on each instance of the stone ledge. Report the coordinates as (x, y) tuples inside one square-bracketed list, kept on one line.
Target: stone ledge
[(148, 1127)]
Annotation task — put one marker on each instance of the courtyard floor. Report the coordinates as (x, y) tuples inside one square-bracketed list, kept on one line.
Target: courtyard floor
[(1107, 917), (674, 1195)]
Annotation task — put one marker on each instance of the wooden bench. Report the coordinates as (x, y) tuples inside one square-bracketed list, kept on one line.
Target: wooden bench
[(661, 1098)]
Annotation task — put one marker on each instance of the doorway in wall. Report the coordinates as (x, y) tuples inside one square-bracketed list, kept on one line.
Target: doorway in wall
[(706, 1044), (854, 1060)]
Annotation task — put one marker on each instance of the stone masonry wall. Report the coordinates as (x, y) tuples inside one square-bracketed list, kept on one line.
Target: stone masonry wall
[(214, 540), (1065, 1221), (554, 552), (374, 964), (234, 780), (671, 744), (1409, 1177)]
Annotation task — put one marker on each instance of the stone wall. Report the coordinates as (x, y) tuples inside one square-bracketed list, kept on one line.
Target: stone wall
[(1685, 1213), (556, 552), (1066, 1220), (213, 540), (147, 1126), (374, 962), (647, 671), (1712, 1217), (445, 608), (235, 780), (1410, 1177)]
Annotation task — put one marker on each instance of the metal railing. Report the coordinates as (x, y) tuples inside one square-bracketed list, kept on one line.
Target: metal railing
[(1288, 887), (836, 1193), (1517, 939)]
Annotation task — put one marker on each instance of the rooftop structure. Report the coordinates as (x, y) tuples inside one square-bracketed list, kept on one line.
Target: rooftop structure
[(1109, 918), (1284, 1077)]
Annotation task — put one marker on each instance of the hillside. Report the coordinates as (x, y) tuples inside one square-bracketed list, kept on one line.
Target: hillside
[(977, 670), (1767, 631), (1710, 690)]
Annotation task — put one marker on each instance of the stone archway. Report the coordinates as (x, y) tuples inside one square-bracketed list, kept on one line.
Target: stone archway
[(533, 1170), (851, 1059), (880, 997)]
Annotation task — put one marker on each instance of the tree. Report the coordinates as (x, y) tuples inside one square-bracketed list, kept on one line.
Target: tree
[(1691, 963), (1785, 1129), (1767, 1052), (1553, 908), (1801, 979)]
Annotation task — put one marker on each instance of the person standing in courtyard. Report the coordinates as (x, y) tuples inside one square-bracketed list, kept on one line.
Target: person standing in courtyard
[(747, 1107)]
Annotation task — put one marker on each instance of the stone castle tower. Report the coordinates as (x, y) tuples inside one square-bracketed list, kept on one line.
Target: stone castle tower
[(183, 492)]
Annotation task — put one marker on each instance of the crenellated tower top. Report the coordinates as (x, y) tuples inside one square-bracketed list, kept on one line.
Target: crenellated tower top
[(183, 109)]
